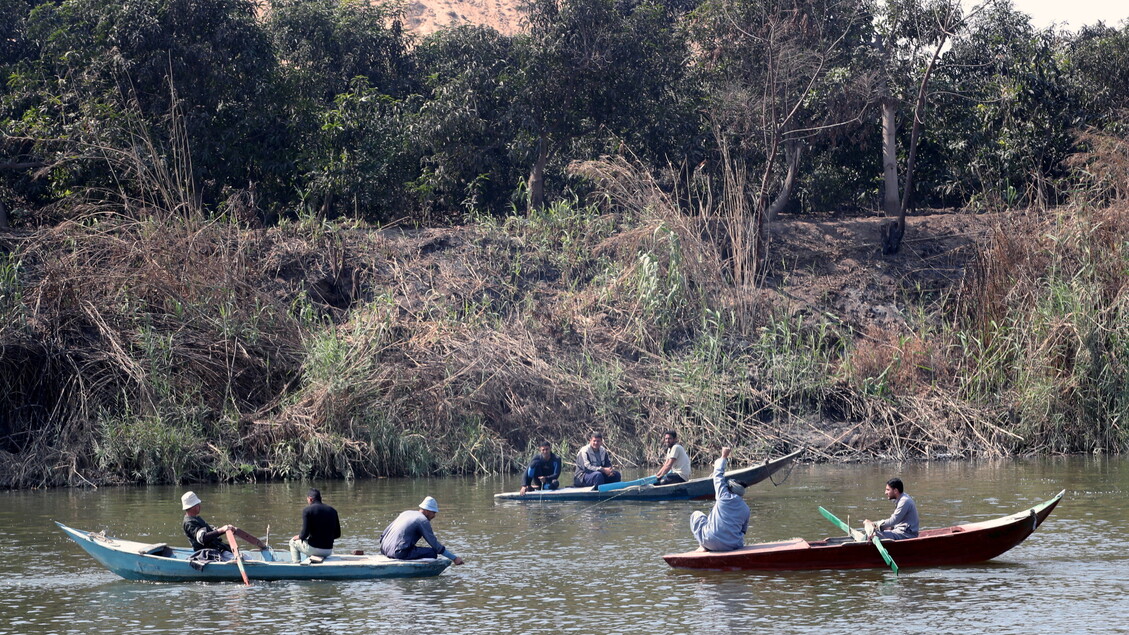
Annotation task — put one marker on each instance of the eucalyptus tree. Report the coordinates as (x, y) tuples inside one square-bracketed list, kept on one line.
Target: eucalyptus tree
[(782, 75), (910, 38)]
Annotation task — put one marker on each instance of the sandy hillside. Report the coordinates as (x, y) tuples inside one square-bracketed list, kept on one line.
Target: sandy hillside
[(427, 16)]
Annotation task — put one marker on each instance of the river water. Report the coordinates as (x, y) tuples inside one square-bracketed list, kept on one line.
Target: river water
[(593, 568)]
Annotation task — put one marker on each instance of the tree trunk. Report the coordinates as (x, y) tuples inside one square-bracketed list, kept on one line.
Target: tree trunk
[(536, 184), (3, 216), (792, 153), (891, 203)]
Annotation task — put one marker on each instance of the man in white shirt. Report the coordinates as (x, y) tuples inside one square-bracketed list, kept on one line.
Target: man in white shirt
[(676, 469)]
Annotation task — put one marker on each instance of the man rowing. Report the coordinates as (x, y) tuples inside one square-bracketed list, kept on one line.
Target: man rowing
[(903, 523), (201, 535)]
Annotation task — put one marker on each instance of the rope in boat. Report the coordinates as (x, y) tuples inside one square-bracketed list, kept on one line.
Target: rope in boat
[(772, 475)]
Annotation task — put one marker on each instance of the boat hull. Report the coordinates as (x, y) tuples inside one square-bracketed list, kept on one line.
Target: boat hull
[(123, 558), (956, 545), (696, 489)]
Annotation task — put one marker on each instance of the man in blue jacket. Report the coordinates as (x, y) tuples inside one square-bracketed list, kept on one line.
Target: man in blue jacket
[(724, 529), (544, 471)]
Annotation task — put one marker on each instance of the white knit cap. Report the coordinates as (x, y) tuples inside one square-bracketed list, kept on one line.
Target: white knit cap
[(430, 505), (189, 500)]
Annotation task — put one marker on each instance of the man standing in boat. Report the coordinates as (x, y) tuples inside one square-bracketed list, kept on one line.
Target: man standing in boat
[(903, 522), (200, 534), (594, 464), (320, 527), (398, 540), (724, 529), (676, 469), (544, 471)]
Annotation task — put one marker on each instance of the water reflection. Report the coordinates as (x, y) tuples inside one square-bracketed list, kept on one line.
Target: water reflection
[(578, 567)]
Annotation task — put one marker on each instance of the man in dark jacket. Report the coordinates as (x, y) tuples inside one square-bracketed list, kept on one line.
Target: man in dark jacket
[(200, 534), (320, 527), (544, 470)]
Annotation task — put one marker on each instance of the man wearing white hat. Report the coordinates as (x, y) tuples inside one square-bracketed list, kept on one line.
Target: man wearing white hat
[(201, 535), (398, 540)]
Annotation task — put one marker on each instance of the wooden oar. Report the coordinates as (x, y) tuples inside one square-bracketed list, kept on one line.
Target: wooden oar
[(238, 560), (857, 535)]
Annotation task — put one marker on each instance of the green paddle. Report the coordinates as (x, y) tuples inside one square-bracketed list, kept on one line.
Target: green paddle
[(856, 534)]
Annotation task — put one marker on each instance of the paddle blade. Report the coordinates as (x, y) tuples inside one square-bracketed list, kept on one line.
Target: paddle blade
[(885, 554), (238, 560), (834, 519)]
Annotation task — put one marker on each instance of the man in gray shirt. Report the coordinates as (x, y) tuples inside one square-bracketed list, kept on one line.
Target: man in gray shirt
[(400, 537), (903, 522)]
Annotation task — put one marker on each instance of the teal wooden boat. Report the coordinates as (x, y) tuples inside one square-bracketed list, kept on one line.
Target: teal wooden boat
[(161, 563), (694, 489)]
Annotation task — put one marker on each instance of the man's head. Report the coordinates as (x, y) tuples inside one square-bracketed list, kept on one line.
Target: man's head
[(596, 439), (545, 449), (429, 507), (670, 437), (190, 503), (314, 495), (736, 488), (894, 488)]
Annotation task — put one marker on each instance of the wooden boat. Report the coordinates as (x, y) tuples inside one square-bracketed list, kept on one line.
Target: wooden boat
[(699, 488), (956, 545), (161, 563)]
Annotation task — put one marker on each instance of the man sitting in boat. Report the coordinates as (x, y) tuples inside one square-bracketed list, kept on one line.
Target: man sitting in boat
[(544, 470), (724, 529), (594, 464), (676, 469), (398, 540), (200, 534), (320, 527), (903, 522)]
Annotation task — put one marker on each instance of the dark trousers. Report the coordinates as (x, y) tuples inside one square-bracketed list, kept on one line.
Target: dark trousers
[(592, 479), (416, 553), (670, 478), (530, 481)]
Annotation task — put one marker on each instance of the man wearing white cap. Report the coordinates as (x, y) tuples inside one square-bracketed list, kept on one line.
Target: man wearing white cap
[(400, 537)]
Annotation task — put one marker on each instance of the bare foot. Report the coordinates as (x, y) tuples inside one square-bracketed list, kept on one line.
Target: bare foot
[(701, 550)]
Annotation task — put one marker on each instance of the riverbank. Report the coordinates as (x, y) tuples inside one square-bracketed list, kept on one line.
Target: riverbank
[(173, 350)]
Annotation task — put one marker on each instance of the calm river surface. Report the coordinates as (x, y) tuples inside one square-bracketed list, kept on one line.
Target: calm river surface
[(584, 568)]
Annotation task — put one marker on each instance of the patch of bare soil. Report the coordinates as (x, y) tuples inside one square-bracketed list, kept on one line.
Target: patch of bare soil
[(835, 266)]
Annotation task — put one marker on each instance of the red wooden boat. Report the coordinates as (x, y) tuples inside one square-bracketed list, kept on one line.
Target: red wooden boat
[(960, 544)]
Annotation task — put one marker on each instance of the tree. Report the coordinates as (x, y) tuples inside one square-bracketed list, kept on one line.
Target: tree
[(610, 68), (781, 75), (467, 123), (911, 36), (202, 61)]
